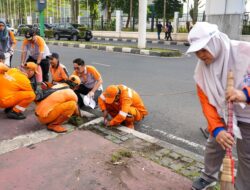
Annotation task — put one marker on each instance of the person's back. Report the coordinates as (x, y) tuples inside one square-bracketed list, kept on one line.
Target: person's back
[(159, 27), (13, 81), (44, 107)]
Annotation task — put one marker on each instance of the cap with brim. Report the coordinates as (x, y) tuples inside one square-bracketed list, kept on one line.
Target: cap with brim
[(198, 45), (31, 66), (109, 100), (200, 35)]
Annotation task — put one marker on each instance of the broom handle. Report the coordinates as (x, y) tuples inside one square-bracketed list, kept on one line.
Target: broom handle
[(230, 84)]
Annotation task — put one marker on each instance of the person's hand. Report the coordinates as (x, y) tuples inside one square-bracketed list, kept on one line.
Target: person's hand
[(235, 95), (91, 94), (225, 139)]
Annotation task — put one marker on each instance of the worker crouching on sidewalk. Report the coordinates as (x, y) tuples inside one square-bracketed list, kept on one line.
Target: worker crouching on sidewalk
[(16, 91), (122, 104), (59, 106)]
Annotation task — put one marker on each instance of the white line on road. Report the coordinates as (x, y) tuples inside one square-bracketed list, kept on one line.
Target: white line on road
[(173, 137), (101, 64)]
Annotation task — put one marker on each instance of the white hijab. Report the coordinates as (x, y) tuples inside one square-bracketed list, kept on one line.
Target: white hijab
[(212, 79)]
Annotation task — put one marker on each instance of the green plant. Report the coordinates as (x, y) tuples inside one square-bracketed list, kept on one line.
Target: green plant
[(117, 156), (182, 29), (48, 33)]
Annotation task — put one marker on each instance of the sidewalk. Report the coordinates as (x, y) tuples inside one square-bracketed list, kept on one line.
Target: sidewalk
[(91, 157)]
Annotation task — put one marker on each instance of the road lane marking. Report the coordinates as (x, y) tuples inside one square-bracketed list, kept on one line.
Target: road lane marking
[(101, 64), (173, 137)]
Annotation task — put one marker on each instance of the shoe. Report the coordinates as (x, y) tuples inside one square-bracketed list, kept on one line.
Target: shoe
[(14, 115), (202, 184), (6, 110), (56, 128)]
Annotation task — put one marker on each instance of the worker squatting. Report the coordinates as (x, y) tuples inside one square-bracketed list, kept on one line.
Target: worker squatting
[(62, 97)]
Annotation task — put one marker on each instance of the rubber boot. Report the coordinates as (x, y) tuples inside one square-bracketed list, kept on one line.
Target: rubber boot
[(130, 122), (56, 125)]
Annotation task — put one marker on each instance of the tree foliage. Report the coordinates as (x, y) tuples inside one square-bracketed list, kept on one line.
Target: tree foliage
[(171, 7)]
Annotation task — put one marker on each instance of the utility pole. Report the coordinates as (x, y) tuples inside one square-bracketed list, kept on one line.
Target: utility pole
[(142, 24), (164, 13)]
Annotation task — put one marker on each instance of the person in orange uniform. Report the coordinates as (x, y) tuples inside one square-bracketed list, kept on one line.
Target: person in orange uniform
[(91, 81), (58, 71), (8, 42), (122, 104), (59, 106), (38, 51), (16, 91)]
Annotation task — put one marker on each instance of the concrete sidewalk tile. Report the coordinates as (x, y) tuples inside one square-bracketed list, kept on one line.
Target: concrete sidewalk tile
[(115, 39)]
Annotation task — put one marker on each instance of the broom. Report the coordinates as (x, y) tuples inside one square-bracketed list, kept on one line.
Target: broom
[(227, 175)]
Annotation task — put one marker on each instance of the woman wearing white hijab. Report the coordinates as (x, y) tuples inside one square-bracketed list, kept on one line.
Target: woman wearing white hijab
[(217, 55)]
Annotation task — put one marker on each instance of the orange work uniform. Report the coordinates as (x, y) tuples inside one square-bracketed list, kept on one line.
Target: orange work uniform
[(57, 107), (129, 104), (16, 90), (59, 73)]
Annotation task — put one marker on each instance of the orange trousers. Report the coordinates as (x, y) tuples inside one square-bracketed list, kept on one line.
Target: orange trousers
[(114, 110), (20, 101), (64, 111)]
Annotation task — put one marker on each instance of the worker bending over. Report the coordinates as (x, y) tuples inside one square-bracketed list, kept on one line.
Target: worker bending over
[(16, 91), (59, 106), (122, 104)]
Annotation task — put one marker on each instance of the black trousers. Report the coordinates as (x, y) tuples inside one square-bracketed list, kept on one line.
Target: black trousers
[(168, 35), (84, 91), (44, 66)]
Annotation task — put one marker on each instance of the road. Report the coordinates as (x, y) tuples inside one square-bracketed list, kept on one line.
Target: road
[(165, 84)]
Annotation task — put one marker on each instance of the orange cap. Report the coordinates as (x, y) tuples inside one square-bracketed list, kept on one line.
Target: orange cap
[(75, 79), (110, 93), (3, 68), (31, 66)]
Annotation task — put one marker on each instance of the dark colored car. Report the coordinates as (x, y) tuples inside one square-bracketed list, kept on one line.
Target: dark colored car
[(67, 30), (22, 28)]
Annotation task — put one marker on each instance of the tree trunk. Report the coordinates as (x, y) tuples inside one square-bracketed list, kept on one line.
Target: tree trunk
[(130, 13), (196, 3)]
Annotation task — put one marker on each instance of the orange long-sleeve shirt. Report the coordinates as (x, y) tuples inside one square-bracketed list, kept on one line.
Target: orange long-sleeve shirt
[(128, 98), (59, 73), (13, 81), (44, 107), (210, 112)]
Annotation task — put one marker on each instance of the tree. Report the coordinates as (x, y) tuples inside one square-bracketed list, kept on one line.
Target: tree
[(171, 7), (194, 11)]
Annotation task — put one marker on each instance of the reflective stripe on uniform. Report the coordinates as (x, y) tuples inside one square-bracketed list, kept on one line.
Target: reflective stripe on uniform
[(20, 108), (102, 97), (130, 94), (122, 113)]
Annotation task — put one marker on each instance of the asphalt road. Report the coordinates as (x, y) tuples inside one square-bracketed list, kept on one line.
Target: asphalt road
[(165, 84)]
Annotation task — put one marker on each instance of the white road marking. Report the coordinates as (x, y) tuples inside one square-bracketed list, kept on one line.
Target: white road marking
[(101, 64), (173, 137)]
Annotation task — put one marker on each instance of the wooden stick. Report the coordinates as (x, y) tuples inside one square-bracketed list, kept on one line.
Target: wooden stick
[(227, 176)]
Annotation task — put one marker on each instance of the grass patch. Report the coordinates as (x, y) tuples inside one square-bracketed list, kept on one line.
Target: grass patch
[(117, 156)]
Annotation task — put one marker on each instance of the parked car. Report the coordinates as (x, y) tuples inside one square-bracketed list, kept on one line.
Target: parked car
[(22, 28), (67, 30)]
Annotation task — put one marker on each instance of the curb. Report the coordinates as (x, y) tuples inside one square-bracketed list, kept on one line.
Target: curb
[(174, 53), (135, 40)]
